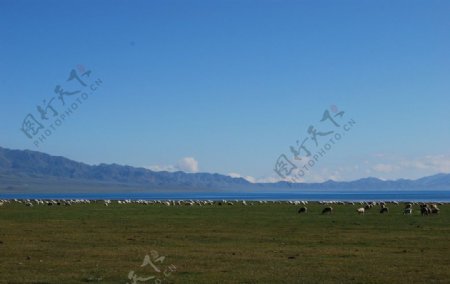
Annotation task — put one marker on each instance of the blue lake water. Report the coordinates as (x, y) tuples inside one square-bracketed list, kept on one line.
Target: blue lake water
[(437, 196)]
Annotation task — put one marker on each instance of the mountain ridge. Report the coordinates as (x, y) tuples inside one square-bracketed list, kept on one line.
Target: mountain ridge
[(24, 167)]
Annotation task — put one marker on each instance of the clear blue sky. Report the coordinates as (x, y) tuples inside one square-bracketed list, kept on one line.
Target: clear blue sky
[(233, 84)]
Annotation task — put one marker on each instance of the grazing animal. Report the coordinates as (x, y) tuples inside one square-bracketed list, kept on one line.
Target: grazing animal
[(407, 211), (424, 209), (384, 210), (328, 210), (361, 210), (303, 210), (435, 210)]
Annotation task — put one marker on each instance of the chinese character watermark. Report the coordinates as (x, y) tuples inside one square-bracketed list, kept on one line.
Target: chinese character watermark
[(159, 271), (306, 152), (51, 114)]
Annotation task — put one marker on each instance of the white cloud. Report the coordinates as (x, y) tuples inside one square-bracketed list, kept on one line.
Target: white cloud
[(393, 167), (266, 179), (187, 164), (272, 180), (248, 178), (234, 175), (161, 168), (430, 163), (384, 168), (436, 163)]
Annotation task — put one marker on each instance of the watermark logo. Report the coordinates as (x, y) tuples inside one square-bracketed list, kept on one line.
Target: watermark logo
[(53, 112), (307, 152), (152, 261)]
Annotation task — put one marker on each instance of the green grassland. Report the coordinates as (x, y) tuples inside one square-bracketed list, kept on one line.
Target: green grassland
[(263, 243)]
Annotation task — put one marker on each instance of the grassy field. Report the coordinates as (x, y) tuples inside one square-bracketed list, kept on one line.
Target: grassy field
[(269, 243)]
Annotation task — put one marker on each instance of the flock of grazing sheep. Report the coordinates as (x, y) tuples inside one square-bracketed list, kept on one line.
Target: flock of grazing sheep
[(425, 208)]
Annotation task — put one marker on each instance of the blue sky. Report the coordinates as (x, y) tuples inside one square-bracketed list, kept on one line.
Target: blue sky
[(228, 86)]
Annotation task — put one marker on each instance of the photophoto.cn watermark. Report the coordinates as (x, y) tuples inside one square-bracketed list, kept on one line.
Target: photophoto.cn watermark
[(307, 152), (52, 113), (155, 270)]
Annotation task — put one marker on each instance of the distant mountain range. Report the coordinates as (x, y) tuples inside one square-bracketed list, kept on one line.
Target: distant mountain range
[(24, 171)]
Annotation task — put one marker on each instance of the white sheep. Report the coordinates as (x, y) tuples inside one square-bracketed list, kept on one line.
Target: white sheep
[(407, 211)]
